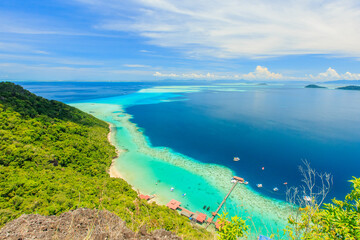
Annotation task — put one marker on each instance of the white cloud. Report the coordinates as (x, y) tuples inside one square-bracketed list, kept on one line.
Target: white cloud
[(351, 76), (260, 73), (191, 75), (41, 52), (28, 24), (332, 74), (136, 66), (43, 58), (239, 28), (16, 47), (172, 75), (46, 72)]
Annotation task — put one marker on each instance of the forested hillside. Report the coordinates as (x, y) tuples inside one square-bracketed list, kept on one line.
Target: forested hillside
[(54, 158)]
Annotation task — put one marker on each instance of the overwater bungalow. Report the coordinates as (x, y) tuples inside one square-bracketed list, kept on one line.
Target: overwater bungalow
[(173, 204), (199, 217), (145, 197)]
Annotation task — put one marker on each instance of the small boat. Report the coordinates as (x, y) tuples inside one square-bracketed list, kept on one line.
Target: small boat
[(307, 198), (285, 183), (171, 189), (236, 159), (262, 168), (208, 208), (275, 189), (204, 207), (246, 182), (233, 181), (259, 185)]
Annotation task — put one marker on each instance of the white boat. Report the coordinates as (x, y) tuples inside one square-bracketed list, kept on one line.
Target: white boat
[(259, 185), (307, 198), (246, 182), (275, 189), (236, 159)]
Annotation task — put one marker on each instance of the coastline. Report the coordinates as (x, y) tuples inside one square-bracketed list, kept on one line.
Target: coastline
[(185, 174), (113, 172)]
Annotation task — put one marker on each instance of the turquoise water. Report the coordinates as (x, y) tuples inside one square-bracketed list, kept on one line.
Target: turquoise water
[(271, 126), (268, 127), (154, 170)]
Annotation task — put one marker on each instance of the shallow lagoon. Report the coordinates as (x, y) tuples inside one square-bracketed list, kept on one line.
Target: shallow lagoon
[(325, 124), (274, 127), (204, 184)]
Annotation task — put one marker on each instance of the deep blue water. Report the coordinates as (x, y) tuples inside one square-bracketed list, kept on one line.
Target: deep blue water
[(70, 92), (270, 127), (274, 128)]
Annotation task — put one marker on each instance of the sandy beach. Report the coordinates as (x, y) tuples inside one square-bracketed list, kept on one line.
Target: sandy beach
[(155, 170), (113, 172)]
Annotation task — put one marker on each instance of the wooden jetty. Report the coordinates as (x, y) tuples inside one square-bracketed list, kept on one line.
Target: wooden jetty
[(201, 217), (214, 214)]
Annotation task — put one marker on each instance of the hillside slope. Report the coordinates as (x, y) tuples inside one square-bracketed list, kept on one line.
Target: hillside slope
[(54, 158)]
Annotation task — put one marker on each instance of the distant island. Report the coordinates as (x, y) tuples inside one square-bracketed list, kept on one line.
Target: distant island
[(314, 86), (353, 82), (351, 87)]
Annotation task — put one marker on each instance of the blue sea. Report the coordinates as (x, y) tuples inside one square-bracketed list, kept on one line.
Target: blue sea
[(271, 128), (275, 127)]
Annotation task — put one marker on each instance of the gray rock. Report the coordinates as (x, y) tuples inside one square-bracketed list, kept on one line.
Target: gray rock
[(78, 224)]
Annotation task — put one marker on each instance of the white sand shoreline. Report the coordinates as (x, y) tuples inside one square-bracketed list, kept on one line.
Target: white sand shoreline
[(264, 211), (113, 172)]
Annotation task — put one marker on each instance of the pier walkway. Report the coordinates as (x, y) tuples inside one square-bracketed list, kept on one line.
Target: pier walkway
[(214, 214), (201, 217)]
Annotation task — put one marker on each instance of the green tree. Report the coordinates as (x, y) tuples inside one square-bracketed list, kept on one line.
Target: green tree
[(231, 229), (306, 198), (336, 220), (54, 158)]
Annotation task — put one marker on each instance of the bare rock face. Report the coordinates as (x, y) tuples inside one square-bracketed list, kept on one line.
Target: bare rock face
[(78, 224)]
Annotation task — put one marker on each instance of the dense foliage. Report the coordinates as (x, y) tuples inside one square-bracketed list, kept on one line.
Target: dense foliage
[(29, 106), (350, 88), (336, 220), (54, 158), (39, 141), (231, 229)]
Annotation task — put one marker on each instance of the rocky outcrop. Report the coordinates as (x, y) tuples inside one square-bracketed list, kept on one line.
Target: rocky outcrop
[(78, 224)]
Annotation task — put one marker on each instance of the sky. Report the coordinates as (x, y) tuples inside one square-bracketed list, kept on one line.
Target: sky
[(147, 40)]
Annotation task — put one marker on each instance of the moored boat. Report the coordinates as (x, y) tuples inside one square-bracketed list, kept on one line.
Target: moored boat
[(307, 198)]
